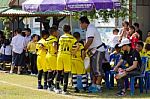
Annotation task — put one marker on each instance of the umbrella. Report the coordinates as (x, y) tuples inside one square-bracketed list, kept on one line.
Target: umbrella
[(79, 5), (71, 5), (106, 4), (44, 5)]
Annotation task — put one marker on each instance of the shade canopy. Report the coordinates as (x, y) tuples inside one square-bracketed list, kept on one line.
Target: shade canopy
[(70, 5)]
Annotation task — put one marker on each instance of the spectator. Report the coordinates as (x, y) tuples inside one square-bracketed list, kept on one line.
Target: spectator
[(95, 45), (115, 38), (31, 47), (147, 49), (124, 30), (115, 56), (139, 48), (148, 38), (132, 57), (18, 46), (6, 51), (136, 25), (27, 40), (133, 36)]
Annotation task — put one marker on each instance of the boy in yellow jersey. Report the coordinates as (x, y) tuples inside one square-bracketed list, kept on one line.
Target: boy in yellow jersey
[(139, 48), (41, 59), (147, 49), (31, 47), (51, 57), (78, 63), (66, 42), (148, 38)]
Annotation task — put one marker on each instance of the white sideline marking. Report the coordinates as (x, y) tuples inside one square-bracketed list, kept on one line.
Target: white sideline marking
[(46, 91)]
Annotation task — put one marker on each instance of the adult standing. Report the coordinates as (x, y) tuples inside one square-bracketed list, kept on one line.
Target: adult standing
[(137, 28), (18, 46), (93, 40)]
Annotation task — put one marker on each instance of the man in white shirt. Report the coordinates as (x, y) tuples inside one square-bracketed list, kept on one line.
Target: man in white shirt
[(94, 43), (18, 46)]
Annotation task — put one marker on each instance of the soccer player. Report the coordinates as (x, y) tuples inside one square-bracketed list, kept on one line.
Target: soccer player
[(51, 57), (66, 42), (41, 59), (78, 64)]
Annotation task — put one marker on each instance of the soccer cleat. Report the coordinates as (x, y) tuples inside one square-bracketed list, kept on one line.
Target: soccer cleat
[(57, 91), (45, 87), (40, 87), (121, 93), (76, 90), (64, 92)]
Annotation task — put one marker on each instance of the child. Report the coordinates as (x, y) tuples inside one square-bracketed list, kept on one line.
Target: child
[(41, 60), (147, 49), (66, 42), (148, 38), (78, 64), (6, 52), (31, 47), (139, 48), (115, 38), (115, 56), (51, 57)]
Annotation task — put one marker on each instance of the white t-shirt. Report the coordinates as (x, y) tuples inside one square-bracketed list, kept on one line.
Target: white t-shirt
[(114, 40), (93, 32), (18, 44), (7, 50)]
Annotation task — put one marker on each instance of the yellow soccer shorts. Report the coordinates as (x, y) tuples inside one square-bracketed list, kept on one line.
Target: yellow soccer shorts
[(41, 63), (51, 62), (64, 62), (77, 67)]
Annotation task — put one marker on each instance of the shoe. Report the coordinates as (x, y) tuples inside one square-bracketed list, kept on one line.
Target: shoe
[(99, 88), (51, 88), (121, 93), (64, 92), (11, 72), (57, 91), (76, 90), (40, 87), (18, 72), (45, 87)]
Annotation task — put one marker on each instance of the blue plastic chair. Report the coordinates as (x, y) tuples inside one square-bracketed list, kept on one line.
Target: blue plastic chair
[(140, 77), (147, 80)]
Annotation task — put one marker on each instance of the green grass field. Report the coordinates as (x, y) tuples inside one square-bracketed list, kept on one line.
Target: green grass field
[(14, 86)]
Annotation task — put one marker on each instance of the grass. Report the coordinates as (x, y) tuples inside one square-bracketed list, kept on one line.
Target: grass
[(24, 87)]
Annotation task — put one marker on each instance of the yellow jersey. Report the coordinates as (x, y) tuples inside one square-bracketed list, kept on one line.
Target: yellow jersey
[(50, 45), (78, 55), (31, 46), (66, 42), (142, 53), (147, 40), (40, 47), (148, 55)]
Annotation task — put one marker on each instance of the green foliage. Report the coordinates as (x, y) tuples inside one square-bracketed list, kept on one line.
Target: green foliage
[(106, 14), (6, 23)]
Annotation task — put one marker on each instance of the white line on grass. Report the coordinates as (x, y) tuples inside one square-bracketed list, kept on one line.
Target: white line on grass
[(68, 96)]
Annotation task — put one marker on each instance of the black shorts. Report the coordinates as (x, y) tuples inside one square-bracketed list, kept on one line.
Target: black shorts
[(18, 59)]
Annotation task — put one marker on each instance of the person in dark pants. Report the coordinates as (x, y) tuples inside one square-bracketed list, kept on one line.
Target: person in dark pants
[(31, 47), (133, 59)]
